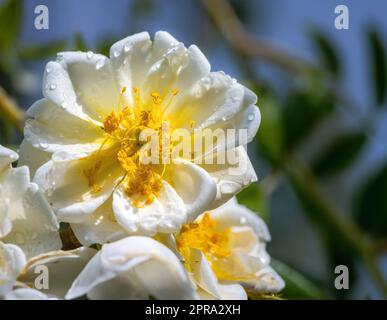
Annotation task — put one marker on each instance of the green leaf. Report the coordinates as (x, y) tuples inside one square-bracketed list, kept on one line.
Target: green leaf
[(253, 197), (339, 154), (378, 66), (340, 253), (10, 23), (103, 46), (43, 51), (304, 109), (327, 52), (297, 286), (270, 137), (5, 130), (79, 43), (371, 210)]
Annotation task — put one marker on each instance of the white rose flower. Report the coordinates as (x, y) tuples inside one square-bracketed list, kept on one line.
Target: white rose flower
[(20, 279), (222, 254), (12, 262), (83, 137), (26, 218), (228, 246)]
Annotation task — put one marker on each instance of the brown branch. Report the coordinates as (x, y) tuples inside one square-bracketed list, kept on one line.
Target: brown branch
[(11, 110), (245, 44)]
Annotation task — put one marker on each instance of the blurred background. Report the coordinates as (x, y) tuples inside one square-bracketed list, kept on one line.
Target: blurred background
[(321, 151)]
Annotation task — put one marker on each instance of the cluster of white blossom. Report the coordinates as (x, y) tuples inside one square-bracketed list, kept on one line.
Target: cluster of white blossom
[(167, 230)]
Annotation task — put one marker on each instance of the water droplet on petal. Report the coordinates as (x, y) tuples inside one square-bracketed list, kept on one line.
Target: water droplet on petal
[(127, 47), (48, 69), (116, 54), (243, 220), (43, 145), (89, 54), (52, 86), (251, 117), (100, 63)]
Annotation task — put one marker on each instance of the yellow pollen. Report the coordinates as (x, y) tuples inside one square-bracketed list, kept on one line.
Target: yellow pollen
[(91, 177), (204, 236), (122, 129)]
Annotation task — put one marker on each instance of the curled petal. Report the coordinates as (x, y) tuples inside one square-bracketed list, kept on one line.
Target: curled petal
[(135, 267)]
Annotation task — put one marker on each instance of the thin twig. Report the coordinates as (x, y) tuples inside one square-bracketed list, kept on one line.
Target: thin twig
[(11, 110), (245, 44), (316, 204)]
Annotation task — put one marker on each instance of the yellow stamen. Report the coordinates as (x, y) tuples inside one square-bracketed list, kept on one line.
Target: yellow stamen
[(204, 236)]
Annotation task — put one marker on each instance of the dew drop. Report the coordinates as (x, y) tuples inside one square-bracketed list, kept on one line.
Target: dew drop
[(243, 220), (48, 69), (127, 47), (116, 54), (100, 63), (43, 145), (251, 117), (52, 86), (89, 54)]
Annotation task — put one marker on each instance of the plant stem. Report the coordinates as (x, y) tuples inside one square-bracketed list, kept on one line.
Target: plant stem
[(228, 23), (316, 204), (11, 110)]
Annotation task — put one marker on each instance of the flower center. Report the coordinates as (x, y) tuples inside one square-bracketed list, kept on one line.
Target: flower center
[(123, 131), (204, 236)]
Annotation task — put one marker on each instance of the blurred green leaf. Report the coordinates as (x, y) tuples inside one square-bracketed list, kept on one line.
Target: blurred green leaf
[(5, 130), (253, 197), (103, 46), (304, 108), (340, 253), (371, 211), (270, 138), (378, 65), (79, 43), (142, 7), (327, 52), (338, 154), (42, 51), (297, 286), (10, 23)]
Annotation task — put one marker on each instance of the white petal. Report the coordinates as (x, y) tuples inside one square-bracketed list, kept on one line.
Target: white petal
[(208, 285), (99, 227), (13, 184), (211, 98), (50, 128), (266, 280), (233, 215), (83, 84), (27, 294), (7, 156), (31, 157), (141, 63), (12, 261), (5, 223), (165, 214), (34, 227), (231, 177), (232, 292), (130, 61), (62, 266), (142, 265), (195, 186), (68, 190), (202, 274)]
